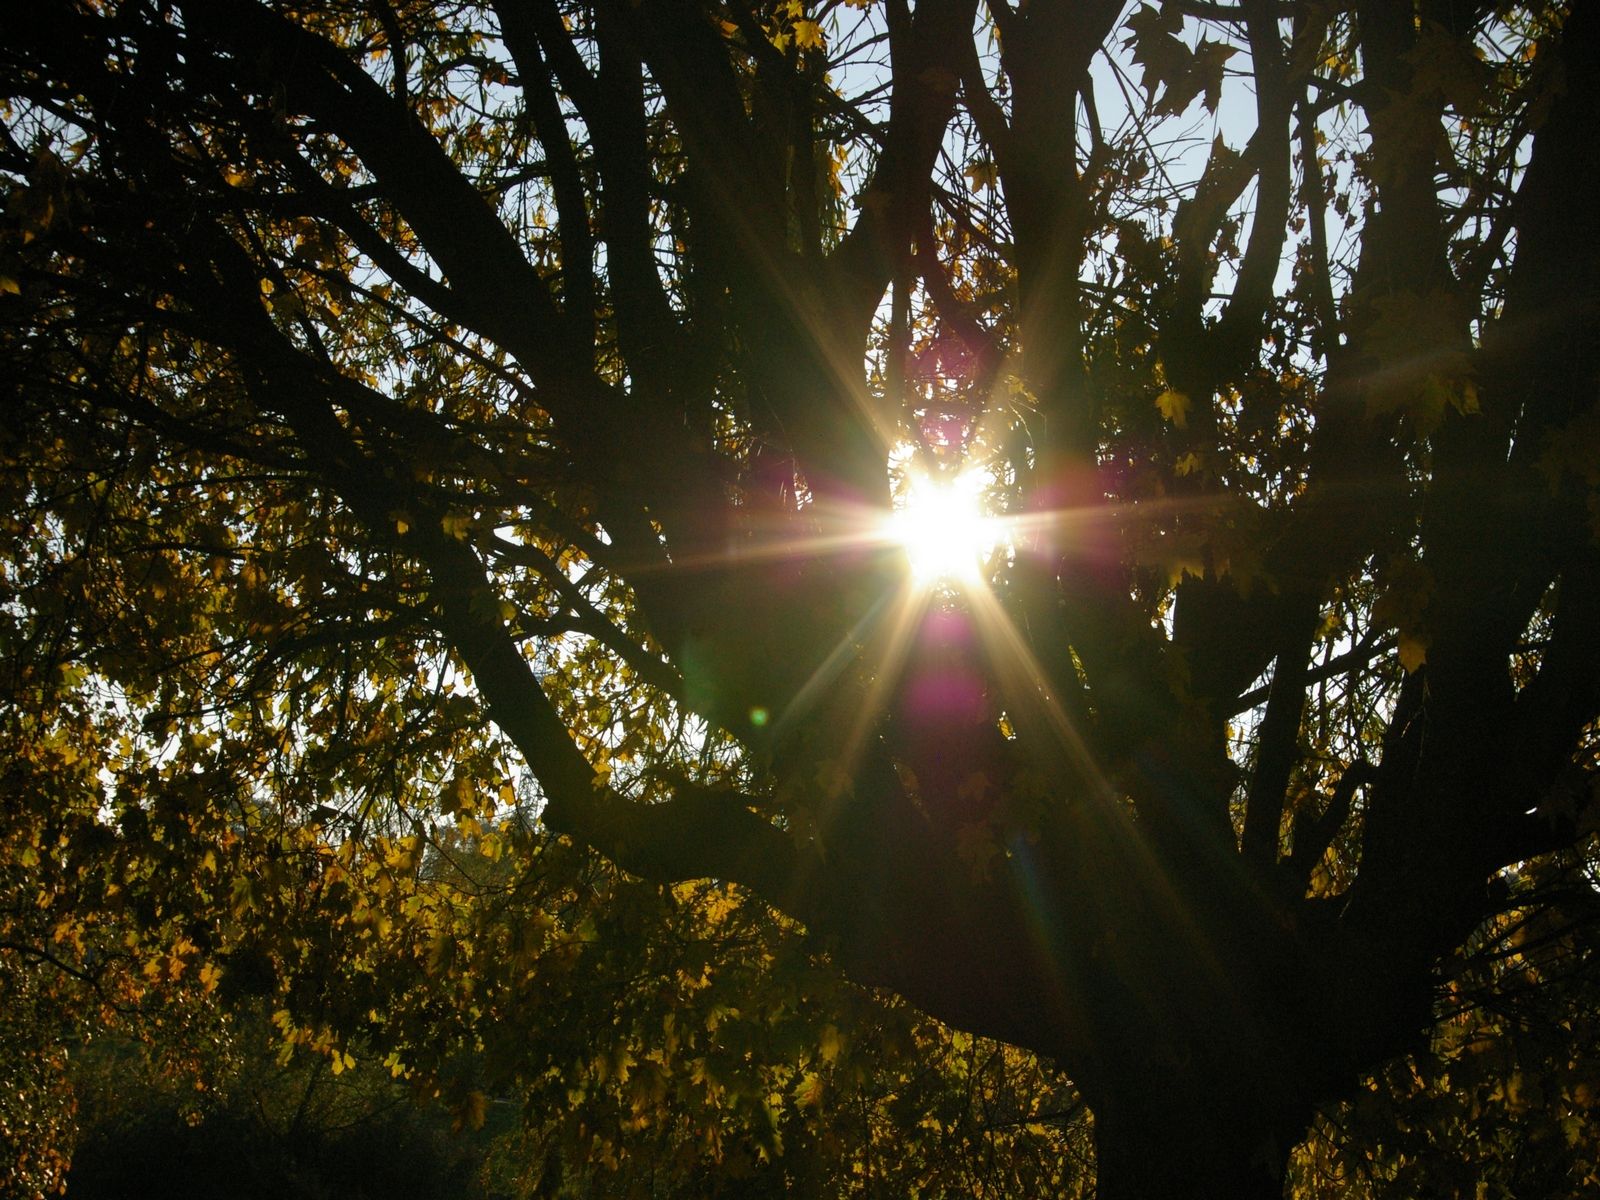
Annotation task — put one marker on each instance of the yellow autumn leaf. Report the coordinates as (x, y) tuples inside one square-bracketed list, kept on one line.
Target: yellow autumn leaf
[(1413, 652), (982, 173), (459, 795), (809, 1093), (808, 35), (1174, 406), (830, 1043)]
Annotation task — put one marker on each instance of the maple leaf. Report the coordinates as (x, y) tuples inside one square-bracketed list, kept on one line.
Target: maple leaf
[(1174, 406), (1166, 62), (1209, 61), (982, 173), (808, 35), (1413, 652)]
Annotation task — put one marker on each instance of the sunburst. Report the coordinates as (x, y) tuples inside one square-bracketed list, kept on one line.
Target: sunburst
[(941, 526)]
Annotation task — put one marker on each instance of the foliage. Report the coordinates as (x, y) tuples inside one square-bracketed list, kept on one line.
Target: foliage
[(1501, 1102), (448, 595), (36, 1101), (227, 1117)]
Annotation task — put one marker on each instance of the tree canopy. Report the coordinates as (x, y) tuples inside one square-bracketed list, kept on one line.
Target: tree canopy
[(470, 476)]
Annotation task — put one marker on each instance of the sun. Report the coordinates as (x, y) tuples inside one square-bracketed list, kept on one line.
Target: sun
[(942, 528)]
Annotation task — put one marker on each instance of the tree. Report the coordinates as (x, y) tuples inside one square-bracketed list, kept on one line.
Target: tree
[(400, 389)]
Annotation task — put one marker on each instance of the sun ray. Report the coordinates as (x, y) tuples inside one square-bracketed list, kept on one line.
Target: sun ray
[(829, 670)]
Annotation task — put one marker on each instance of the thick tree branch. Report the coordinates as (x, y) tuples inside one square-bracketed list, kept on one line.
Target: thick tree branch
[(648, 333), (1564, 697), (927, 51), (1313, 835), (491, 279), (1237, 331), (572, 208), (700, 833), (1277, 743), (591, 620)]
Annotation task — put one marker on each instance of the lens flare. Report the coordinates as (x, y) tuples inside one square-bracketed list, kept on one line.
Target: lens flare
[(942, 528)]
